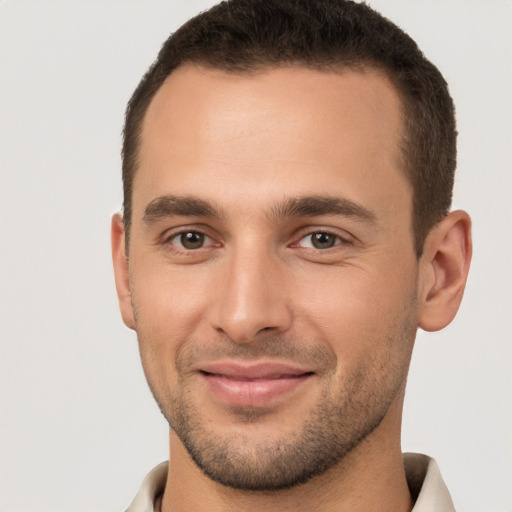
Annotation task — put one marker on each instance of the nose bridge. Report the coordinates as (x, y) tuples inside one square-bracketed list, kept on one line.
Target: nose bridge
[(251, 298)]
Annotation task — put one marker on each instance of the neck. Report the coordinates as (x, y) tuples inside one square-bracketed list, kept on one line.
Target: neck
[(370, 477)]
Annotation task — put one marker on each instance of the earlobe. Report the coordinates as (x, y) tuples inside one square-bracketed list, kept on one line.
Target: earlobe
[(120, 261), (444, 268)]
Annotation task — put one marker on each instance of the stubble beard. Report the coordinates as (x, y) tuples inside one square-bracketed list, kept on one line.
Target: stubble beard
[(337, 424), (240, 462)]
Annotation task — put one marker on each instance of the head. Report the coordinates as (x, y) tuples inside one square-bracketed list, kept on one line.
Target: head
[(244, 36), (287, 171)]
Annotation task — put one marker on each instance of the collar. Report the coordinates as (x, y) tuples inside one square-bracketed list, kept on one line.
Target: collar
[(423, 477)]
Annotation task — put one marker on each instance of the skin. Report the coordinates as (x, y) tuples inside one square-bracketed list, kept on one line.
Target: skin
[(256, 288)]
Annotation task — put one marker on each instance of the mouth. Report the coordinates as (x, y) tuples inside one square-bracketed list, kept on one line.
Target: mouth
[(253, 385)]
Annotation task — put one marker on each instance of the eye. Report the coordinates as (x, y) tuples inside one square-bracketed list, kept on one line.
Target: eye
[(190, 240), (320, 240)]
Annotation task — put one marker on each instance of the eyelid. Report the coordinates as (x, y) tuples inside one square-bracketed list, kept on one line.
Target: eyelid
[(343, 237), (172, 233), (337, 241)]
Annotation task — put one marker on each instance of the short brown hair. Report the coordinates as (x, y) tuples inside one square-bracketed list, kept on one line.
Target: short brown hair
[(244, 36)]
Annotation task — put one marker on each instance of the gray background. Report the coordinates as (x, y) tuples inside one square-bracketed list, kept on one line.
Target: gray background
[(78, 427)]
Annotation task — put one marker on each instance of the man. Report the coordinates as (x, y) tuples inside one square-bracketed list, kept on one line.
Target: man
[(288, 169)]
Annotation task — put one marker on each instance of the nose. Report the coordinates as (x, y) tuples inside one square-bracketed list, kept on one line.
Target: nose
[(251, 297)]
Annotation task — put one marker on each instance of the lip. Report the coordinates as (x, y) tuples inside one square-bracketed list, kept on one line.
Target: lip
[(253, 384)]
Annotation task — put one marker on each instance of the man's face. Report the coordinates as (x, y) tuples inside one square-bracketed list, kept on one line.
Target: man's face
[(272, 268)]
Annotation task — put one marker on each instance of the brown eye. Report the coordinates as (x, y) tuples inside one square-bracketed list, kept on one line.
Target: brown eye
[(190, 240), (320, 240), (323, 240)]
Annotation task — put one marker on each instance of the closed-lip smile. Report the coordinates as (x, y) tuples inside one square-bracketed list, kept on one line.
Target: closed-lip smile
[(252, 384)]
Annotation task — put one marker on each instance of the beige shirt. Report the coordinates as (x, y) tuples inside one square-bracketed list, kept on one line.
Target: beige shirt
[(423, 477)]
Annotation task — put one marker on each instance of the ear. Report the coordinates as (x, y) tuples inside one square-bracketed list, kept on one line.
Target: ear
[(121, 274), (444, 267)]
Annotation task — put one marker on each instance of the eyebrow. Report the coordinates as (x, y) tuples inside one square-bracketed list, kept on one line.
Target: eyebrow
[(309, 206), (187, 206), (314, 206)]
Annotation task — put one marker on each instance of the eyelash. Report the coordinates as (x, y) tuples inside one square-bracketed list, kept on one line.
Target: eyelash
[(168, 239), (338, 240)]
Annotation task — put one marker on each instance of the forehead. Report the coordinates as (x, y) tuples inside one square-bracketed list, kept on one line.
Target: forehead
[(302, 130)]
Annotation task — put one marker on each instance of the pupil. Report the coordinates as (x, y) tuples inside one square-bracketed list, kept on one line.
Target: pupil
[(192, 240), (323, 240)]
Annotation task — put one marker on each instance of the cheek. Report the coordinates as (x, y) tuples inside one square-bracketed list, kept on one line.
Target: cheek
[(168, 300), (354, 308), (167, 314)]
